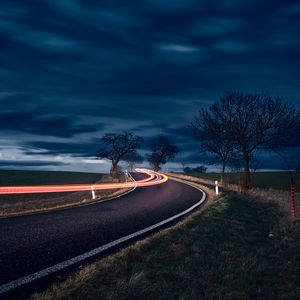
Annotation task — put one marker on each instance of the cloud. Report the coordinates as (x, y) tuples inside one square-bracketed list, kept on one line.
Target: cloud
[(214, 27), (172, 6), (179, 48), (87, 149), (233, 46), (292, 9), (37, 123), (72, 70), (29, 163), (33, 158)]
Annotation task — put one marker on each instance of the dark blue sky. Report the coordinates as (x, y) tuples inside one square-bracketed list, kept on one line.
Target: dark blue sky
[(72, 70)]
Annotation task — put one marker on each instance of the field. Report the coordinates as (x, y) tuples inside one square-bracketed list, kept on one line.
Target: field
[(274, 180), (20, 204), (238, 246), (16, 177)]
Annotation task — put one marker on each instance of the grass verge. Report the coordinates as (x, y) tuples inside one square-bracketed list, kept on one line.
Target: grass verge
[(235, 247), (265, 180)]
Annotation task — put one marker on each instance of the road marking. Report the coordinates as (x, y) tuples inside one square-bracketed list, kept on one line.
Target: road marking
[(50, 270)]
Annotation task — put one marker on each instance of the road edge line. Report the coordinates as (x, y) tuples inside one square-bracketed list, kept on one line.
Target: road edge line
[(68, 263)]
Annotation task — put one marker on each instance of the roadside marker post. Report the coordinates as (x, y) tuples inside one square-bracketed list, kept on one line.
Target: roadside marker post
[(93, 193), (293, 201), (217, 187)]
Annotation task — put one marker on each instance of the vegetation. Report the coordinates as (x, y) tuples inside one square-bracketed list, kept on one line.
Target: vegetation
[(236, 247), (198, 169), (116, 146), (266, 180), (133, 159), (162, 150), (245, 122), (208, 129)]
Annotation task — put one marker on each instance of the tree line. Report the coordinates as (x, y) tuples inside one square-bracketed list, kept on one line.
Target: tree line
[(231, 131), (124, 146)]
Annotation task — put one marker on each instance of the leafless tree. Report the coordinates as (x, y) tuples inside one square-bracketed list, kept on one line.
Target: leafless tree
[(181, 159), (132, 159), (116, 145), (208, 129), (162, 151), (255, 121)]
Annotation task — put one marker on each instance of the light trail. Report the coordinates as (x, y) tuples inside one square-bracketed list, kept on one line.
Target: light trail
[(153, 178)]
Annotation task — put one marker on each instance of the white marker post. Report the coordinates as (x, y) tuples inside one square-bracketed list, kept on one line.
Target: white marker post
[(217, 187), (126, 175), (93, 193)]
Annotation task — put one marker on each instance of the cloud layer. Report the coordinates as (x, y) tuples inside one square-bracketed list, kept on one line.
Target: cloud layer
[(71, 70)]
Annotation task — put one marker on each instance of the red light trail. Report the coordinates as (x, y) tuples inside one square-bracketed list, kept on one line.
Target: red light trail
[(153, 178)]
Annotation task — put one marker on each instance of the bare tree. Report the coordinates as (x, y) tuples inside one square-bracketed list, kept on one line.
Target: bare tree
[(181, 159), (162, 151), (208, 129), (116, 146), (132, 159), (255, 121)]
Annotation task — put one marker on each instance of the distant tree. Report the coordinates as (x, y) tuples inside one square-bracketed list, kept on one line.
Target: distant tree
[(133, 159), (209, 130), (181, 160), (198, 169), (162, 151), (187, 169), (116, 145), (255, 121)]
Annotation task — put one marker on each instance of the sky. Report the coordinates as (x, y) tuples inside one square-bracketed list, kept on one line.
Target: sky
[(72, 70)]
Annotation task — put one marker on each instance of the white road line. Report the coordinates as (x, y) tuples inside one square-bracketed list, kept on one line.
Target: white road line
[(40, 274)]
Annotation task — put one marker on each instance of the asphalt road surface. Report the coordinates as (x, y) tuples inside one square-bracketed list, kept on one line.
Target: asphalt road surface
[(32, 243)]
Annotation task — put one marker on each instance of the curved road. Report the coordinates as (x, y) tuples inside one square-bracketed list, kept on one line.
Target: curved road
[(29, 244)]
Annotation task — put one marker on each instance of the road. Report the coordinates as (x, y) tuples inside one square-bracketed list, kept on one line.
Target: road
[(35, 243)]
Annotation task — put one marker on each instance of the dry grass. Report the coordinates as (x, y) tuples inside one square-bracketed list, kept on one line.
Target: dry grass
[(280, 198), (121, 270), (206, 182), (275, 180), (232, 248)]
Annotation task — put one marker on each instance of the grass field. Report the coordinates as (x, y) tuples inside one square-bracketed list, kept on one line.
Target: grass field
[(236, 247), (275, 180), (27, 203), (16, 177)]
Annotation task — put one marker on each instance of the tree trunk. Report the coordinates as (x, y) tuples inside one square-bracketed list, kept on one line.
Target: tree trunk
[(246, 176), (114, 169), (156, 168), (131, 166), (222, 181)]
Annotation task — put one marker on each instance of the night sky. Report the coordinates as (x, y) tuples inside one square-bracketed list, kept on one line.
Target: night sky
[(72, 70)]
